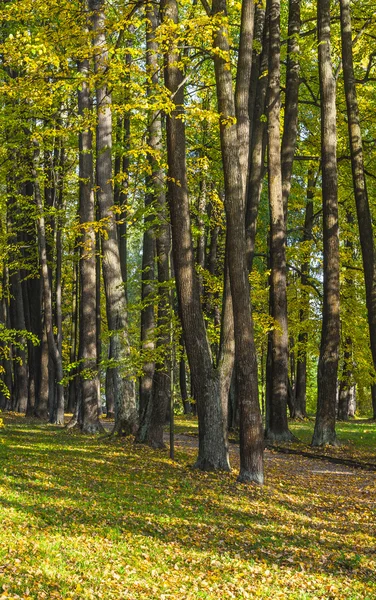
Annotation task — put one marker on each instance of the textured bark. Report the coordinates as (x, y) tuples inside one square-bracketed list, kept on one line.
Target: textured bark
[(276, 423), (258, 137), (251, 436), (242, 89), (57, 414), (148, 250), (19, 402), (290, 126), (41, 409), (359, 182), (324, 432), (345, 386), (156, 408), (213, 450), (116, 303), (89, 417), (72, 395), (301, 363)]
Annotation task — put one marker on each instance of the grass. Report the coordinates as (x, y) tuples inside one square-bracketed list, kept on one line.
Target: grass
[(86, 517)]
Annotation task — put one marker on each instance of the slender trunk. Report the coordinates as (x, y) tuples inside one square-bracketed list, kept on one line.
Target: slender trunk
[(156, 407), (251, 438), (324, 432), (359, 182), (58, 413), (277, 425), (290, 126), (345, 386), (41, 410), (301, 363), (242, 89), (72, 396), (116, 303), (258, 138)]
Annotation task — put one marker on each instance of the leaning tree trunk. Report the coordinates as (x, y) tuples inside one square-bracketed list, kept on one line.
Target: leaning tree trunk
[(116, 303), (213, 450), (89, 417), (359, 180), (251, 435), (324, 432), (276, 423)]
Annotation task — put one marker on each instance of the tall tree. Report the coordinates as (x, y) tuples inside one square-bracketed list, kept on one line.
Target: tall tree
[(87, 302), (276, 415), (116, 303), (359, 180), (213, 449), (324, 432), (251, 436)]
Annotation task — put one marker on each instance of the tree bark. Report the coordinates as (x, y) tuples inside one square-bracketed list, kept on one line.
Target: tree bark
[(89, 417), (213, 450), (116, 303), (359, 181), (276, 424), (324, 432), (290, 125), (301, 363), (259, 79), (57, 416), (251, 436)]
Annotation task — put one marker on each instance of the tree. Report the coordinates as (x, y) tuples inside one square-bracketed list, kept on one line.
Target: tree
[(324, 432)]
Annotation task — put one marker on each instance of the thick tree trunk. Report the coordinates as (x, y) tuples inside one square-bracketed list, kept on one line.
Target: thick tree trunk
[(116, 303), (324, 432), (276, 424), (213, 450), (89, 417), (251, 435), (359, 182)]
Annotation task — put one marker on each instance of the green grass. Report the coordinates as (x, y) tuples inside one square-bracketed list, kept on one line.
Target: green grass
[(86, 517)]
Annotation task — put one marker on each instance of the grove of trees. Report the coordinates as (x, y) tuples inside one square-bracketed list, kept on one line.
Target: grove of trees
[(187, 197)]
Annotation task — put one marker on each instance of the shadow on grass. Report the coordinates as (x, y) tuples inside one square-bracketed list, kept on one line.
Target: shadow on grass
[(67, 484)]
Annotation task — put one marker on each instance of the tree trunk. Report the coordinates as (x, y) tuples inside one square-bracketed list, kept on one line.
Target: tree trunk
[(276, 424), (324, 432), (89, 417), (258, 138), (301, 363), (290, 125), (148, 249), (58, 413), (213, 450), (359, 182), (251, 435), (156, 407), (116, 303)]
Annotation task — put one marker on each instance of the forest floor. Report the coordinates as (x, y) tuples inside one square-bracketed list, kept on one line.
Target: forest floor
[(92, 517)]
